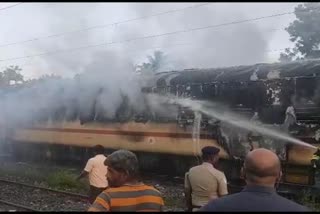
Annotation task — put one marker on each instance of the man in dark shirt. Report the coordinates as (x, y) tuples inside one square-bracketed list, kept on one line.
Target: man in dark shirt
[(261, 170)]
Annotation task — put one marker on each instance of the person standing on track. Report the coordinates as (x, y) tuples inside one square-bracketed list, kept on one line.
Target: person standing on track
[(96, 170), (205, 182)]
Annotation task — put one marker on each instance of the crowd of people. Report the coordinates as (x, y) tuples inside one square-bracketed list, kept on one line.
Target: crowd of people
[(116, 185)]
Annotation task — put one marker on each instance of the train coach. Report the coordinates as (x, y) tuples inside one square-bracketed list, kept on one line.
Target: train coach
[(279, 95)]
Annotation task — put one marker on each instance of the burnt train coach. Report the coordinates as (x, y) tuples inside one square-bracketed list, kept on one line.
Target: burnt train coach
[(285, 96), (281, 96)]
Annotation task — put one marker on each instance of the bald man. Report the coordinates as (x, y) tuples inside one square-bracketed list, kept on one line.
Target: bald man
[(261, 170)]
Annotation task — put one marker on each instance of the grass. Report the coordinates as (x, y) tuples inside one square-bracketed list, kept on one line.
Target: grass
[(66, 180), (170, 201), (309, 200), (173, 202), (31, 174), (62, 179)]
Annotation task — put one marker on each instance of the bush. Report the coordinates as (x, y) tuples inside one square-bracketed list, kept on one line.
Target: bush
[(64, 180), (309, 200)]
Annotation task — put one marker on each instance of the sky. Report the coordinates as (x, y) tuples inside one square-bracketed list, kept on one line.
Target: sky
[(228, 45)]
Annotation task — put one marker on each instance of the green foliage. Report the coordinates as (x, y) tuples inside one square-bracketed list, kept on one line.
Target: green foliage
[(56, 178), (30, 174), (64, 180), (154, 64), (172, 201), (309, 200), (305, 33), (11, 73)]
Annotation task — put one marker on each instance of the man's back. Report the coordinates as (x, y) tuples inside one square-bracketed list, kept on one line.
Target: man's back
[(97, 171), (206, 183), (129, 198), (254, 198)]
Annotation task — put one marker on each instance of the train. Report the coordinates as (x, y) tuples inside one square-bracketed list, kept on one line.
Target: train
[(283, 96)]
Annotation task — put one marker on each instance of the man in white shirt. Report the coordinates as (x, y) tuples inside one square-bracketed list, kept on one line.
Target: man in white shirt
[(97, 171)]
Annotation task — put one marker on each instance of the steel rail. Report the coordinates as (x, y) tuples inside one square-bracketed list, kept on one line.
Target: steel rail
[(18, 206), (46, 189)]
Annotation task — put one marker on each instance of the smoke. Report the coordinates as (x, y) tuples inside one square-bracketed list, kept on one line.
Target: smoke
[(108, 90), (21, 106), (107, 79), (114, 75), (65, 18), (224, 46), (316, 97)]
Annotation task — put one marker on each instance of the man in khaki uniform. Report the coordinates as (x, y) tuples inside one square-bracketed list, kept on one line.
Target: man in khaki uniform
[(204, 182)]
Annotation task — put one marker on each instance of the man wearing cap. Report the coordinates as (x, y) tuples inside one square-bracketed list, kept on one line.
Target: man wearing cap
[(262, 172), (204, 182)]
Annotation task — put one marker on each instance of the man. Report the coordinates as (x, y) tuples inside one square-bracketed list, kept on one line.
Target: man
[(262, 171), (96, 170), (204, 182), (126, 192)]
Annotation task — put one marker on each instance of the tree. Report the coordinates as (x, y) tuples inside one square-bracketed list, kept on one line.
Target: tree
[(154, 64), (43, 78), (49, 77), (305, 33), (1, 79), (11, 73)]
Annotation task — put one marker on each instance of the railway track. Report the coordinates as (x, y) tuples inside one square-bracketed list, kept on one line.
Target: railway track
[(36, 198), (19, 206), (44, 188), (171, 187)]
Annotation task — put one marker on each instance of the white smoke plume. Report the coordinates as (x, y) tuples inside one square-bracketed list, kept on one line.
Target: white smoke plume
[(109, 70)]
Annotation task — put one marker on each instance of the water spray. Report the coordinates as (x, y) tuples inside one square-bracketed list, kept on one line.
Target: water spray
[(230, 118)]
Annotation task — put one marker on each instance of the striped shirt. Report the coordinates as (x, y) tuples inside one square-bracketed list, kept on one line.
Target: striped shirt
[(129, 198)]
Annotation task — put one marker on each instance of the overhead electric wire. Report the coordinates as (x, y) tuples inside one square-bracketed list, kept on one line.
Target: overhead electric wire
[(103, 26), (158, 47), (150, 36), (117, 23), (4, 8)]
